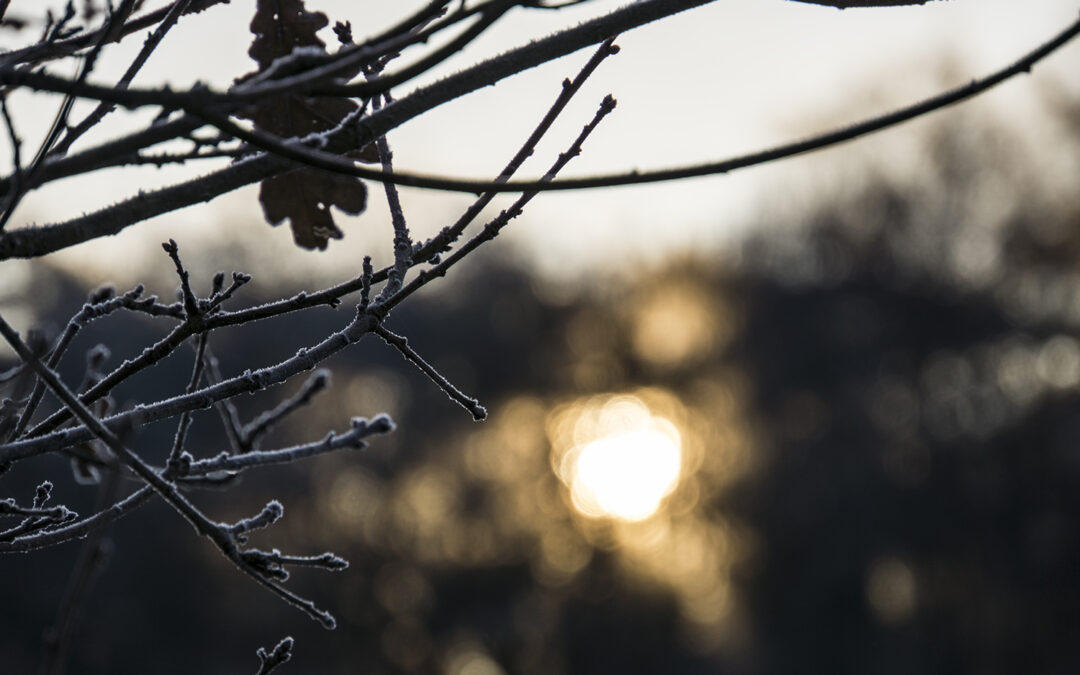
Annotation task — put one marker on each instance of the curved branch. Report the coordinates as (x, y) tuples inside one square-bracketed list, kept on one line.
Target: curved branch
[(334, 163), (33, 242), (60, 48), (247, 382), (847, 4)]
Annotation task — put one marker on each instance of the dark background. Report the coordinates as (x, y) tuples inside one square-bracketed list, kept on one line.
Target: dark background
[(891, 384)]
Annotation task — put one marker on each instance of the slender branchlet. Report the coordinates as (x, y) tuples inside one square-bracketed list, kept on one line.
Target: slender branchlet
[(268, 572), (101, 303), (185, 418), (227, 412), (353, 438), (16, 160), (402, 241), (191, 305), (93, 556), (37, 517), (365, 283), (399, 343), (151, 43), (492, 228), (281, 653), (251, 433), (198, 126)]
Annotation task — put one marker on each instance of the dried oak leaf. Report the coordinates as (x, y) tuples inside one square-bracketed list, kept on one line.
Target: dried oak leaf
[(303, 196)]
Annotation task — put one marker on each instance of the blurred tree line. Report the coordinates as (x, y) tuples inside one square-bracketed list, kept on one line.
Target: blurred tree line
[(878, 410)]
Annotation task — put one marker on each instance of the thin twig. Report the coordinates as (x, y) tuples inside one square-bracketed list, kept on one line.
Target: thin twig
[(116, 152), (191, 305), (398, 342), (60, 48), (272, 563), (354, 438), (230, 416), (101, 303), (185, 418), (147, 358), (251, 432), (271, 513), (402, 240), (75, 530), (16, 159), (281, 653), (192, 324), (247, 382), (80, 528), (37, 518), (115, 218), (115, 21), (238, 280), (91, 560), (216, 532), (448, 235), (163, 158), (495, 225), (177, 8)]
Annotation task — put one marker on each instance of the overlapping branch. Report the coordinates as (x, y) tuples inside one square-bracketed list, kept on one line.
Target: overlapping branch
[(83, 424), (202, 107), (197, 317)]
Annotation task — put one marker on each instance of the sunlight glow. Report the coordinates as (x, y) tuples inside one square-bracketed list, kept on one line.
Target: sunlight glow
[(677, 322), (626, 475), (625, 460), (637, 469)]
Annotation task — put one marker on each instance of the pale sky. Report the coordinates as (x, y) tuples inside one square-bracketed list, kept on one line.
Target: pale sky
[(725, 79)]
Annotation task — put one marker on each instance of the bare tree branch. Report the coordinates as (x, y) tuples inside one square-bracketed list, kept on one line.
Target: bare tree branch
[(39, 241)]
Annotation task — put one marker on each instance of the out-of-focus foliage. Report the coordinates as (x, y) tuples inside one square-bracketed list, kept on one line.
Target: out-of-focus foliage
[(856, 451)]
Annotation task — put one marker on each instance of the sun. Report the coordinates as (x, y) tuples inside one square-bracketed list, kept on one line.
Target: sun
[(623, 460)]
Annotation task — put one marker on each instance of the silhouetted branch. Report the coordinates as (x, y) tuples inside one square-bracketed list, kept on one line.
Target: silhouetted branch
[(79, 528), (846, 4), (281, 653), (113, 219), (247, 382), (64, 47), (479, 412), (266, 571), (197, 123), (402, 241), (250, 433), (168, 21), (93, 556), (331, 162), (354, 438), (495, 225), (185, 419)]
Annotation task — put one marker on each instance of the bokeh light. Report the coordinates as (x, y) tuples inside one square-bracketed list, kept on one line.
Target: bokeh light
[(472, 661), (891, 590), (859, 422), (624, 459), (637, 469), (677, 322)]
